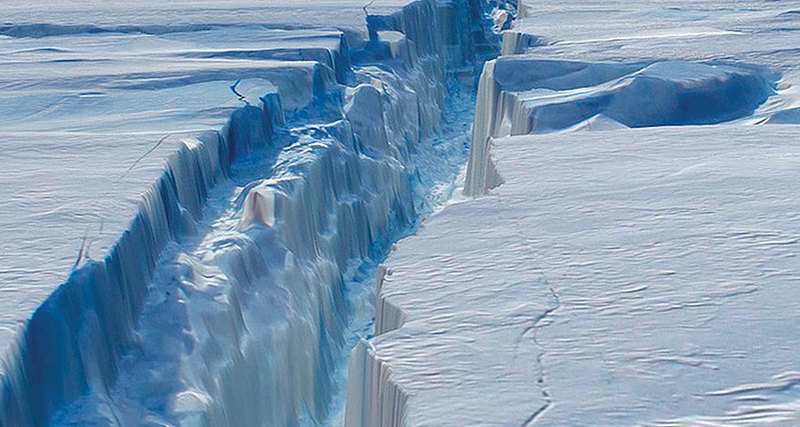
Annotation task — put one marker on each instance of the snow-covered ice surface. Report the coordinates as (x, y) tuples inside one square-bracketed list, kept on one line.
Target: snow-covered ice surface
[(634, 261), (198, 193)]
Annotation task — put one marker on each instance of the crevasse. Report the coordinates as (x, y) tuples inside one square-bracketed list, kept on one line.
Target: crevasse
[(224, 302)]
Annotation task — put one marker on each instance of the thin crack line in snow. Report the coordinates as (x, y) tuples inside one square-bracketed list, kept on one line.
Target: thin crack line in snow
[(236, 92), (136, 163), (86, 244), (535, 415), (540, 381), (366, 6)]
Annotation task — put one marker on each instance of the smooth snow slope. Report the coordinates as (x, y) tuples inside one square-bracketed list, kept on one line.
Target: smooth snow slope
[(192, 187), (651, 271)]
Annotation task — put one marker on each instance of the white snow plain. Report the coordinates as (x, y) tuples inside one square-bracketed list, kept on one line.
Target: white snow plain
[(635, 261), (198, 191)]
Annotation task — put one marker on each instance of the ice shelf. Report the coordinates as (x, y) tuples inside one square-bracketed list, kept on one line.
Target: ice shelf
[(192, 187)]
